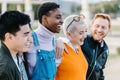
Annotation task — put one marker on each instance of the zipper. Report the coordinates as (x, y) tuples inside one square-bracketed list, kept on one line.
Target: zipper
[(95, 62), (94, 59)]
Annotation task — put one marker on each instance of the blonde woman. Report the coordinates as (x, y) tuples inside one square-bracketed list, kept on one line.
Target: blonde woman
[(73, 65)]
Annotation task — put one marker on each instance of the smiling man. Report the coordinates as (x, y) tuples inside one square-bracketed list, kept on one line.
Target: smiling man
[(95, 49), (41, 57), (15, 36)]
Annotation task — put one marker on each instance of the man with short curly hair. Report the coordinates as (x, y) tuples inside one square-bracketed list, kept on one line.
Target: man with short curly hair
[(41, 56)]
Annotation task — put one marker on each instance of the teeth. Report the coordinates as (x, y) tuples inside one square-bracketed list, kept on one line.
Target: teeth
[(59, 25), (28, 44), (81, 43), (98, 34)]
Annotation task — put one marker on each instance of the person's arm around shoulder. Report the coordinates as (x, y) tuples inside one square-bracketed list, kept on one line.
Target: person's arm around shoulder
[(60, 47)]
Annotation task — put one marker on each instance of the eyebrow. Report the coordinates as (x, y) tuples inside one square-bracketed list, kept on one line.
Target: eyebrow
[(27, 32), (81, 31), (59, 15)]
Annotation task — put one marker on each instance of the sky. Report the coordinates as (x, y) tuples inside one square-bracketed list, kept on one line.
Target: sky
[(79, 1)]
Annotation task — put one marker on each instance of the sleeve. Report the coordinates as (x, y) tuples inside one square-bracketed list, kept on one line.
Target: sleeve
[(101, 75), (58, 61), (5, 76)]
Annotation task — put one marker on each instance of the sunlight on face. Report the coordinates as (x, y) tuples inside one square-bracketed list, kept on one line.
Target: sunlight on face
[(78, 36), (99, 28), (23, 39)]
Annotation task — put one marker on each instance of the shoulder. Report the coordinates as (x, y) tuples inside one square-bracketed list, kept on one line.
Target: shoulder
[(105, 46), (6, 62), (4, 66), (87, 40), (8, 72), (8, 68)]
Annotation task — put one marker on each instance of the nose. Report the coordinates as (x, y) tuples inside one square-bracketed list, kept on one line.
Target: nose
[(30, 39), (84, 35), (99, 29), (61, 21)]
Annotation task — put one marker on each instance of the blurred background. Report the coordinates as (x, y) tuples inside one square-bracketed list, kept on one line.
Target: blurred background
[(88, 8)]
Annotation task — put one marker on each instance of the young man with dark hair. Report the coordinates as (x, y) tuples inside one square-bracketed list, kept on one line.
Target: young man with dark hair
[(15, 36), (41, 56), (95, 48)]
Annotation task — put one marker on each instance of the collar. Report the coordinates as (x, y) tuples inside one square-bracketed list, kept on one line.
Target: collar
[(101, 43), (5, 50), (44, 32), (95, 43), (66, 40), (75, 48)]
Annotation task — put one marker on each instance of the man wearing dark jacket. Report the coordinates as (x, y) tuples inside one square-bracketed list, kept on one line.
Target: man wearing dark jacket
[(95, 49), (15, 36)]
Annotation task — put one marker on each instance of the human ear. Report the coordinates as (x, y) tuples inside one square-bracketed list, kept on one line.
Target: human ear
[(8, 36), (44, 19), (68, 35)]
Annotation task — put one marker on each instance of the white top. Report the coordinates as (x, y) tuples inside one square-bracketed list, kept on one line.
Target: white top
[(16, 62)]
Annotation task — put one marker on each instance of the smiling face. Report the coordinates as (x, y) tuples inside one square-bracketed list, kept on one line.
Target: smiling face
[(99, 28), (53, 21), (22, 40), (77, 37)]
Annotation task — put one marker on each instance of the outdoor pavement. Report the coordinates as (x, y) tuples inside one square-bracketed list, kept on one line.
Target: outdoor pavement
[(112, 70)]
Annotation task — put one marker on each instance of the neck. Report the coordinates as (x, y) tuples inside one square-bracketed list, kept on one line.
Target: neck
[(44, 32), (45, 37), (73, 45), (12, 51)]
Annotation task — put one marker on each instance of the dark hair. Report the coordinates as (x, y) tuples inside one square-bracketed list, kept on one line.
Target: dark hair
[(45, 8), (10, 21)]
